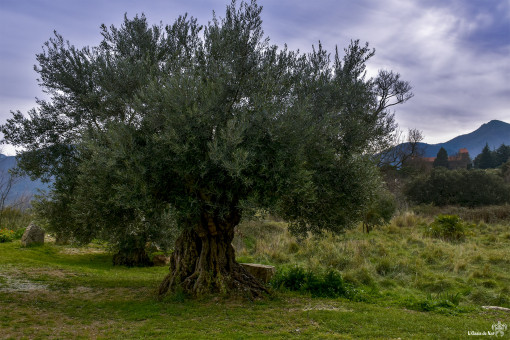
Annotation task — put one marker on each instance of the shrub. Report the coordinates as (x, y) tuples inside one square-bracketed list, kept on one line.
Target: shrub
[(447, 227), (487, 214), (380, 210), (458, 187), (18, 234), (15, 218), (445, 303), (6, 235), (328, 284)]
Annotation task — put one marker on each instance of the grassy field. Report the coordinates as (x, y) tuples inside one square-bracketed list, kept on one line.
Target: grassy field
[(64, 292), (397, 263)]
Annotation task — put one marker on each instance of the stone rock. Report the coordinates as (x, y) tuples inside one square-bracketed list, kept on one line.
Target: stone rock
[(161, 260), (33, 235), (262, 272), (497, 308)]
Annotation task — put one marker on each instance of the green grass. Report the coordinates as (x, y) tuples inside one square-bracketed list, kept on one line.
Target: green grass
[(410, 286), (396, 263)]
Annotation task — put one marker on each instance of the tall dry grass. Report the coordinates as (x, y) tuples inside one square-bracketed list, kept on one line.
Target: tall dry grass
[(398, 259)]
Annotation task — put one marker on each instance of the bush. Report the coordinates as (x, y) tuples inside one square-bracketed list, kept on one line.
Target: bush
[(328, 284), (6, 235), (486, 214), (446, 303), (447, 227), (468, 188), (380, 210), (15, 218), (18, 234)]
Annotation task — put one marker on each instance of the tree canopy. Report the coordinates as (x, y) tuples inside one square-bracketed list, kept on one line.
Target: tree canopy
[(488, 158), (458, 187), (186, 128)]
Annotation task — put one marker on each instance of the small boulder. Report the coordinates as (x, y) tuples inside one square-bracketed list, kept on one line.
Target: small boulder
[(261, 272), (33, 235)]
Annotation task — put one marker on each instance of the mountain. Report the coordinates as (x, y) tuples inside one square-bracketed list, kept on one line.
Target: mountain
[(23, 188), (494, 133)]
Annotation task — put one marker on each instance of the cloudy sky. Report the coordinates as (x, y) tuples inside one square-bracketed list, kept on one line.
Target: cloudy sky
[(455, 53)]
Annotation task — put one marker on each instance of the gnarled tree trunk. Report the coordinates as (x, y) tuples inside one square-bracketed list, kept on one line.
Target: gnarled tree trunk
[(136, 257), (203, 262)]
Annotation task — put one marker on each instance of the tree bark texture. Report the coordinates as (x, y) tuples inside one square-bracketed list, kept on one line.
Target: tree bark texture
[(136, 257), (203, 262)]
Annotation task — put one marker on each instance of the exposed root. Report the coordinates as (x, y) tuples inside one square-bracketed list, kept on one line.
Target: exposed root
[(238, 282), (205, 264)]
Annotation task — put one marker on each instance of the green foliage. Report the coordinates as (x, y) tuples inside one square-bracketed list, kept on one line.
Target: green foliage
[(441, 159), (6, 235), (505, 172), (398, 261), (458, 187), (488, 159), (16, 219), (380, 211), (447, 227), (120, 303), (502, 155), (18, 233), (445, 303), (158, 129), (328, 284), (486, 214)]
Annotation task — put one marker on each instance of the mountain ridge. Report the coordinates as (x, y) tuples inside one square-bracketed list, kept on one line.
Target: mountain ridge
[(494, 133), (23, 189)]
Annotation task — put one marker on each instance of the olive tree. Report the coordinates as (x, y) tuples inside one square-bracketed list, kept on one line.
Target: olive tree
[(183, 128)]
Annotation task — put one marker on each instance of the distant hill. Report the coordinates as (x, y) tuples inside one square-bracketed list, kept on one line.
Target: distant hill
[(23, 187), (494, 133)]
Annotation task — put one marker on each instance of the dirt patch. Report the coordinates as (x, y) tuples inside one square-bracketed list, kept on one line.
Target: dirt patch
[(19, 280), (52, 272), (109, 294), (35, 272), (327, 308), (13, 284), (82, 250), (299, 306)]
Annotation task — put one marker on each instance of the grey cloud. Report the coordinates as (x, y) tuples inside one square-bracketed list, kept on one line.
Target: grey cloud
[(455, 53)]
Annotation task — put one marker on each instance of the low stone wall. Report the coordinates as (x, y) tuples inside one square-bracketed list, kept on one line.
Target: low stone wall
[(262, 272)]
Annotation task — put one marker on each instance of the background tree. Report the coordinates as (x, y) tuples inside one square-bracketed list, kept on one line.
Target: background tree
[(486, 159), (401, 149), (184, 128), (399, 161), (7, 180), (380, 210), (505, 172), (459, 187), (502, 155), (441, 159)]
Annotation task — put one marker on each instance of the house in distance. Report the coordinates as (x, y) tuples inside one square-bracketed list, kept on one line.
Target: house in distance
[(461, 160)]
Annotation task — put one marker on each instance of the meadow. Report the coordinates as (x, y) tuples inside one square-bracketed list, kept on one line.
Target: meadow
[(403, 283)]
